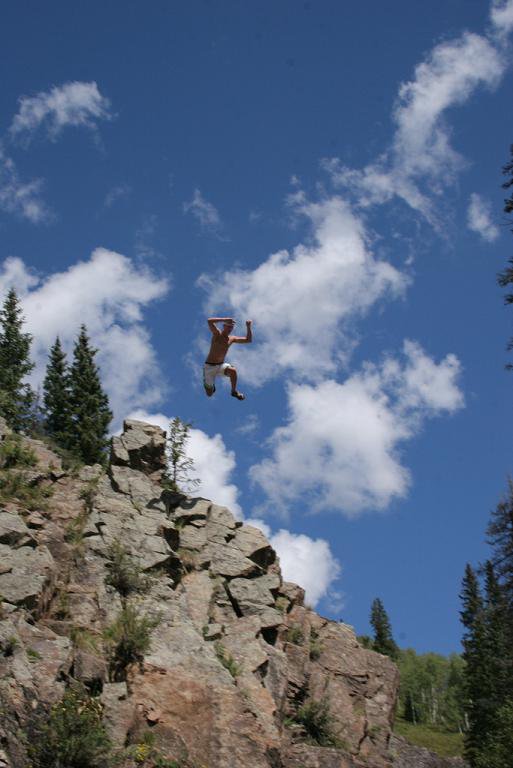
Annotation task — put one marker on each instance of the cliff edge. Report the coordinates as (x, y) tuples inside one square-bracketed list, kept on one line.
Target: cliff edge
[(238, 671)]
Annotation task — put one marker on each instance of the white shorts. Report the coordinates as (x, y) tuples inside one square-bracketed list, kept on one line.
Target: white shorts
[(211, 371)]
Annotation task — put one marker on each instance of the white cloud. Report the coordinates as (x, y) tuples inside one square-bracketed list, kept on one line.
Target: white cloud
[(302, 303), (421, 161), (204, 212), (307, 562), (479, 218), (72, 104), (501, 15), (19, 197), (107, 293), (339, 449)]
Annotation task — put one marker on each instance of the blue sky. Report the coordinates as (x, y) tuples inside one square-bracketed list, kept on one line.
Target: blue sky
[(331, 170)]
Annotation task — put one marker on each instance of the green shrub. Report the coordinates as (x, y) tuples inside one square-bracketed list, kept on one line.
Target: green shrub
[(85, 639), (14, 486), (124, 574), (315, 718), (315, 645), (145, 753), (72, 735), (226, 659), (128, 640), (33, 655), (295, 635), (14, 454)]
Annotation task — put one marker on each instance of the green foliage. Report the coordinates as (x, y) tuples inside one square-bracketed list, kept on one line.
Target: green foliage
[(89, 404), (72, 735), (33, 655), (123, 572), (16, 397), (85, 639), (147, 754), (314, 716), (226, 659), (128, 640), (15, 486), (295, 635), (383, 641), (180, 468), (487, 617), (438, 740), (432, 689), (497, 749), (14, 454), (57, 398), (315, 646), (366, 641)]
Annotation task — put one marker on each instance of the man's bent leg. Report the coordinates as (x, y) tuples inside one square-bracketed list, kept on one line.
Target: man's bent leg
[(231, 372)]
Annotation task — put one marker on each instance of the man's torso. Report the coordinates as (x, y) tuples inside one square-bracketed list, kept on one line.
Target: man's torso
[(218, 348)]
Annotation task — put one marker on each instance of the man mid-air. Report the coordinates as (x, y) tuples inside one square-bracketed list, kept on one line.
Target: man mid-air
[(215, 364)]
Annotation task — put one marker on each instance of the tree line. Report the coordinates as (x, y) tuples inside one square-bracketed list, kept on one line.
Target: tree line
[(73, 410)]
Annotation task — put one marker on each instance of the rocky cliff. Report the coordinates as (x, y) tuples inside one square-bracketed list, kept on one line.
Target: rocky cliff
[(237, 670)]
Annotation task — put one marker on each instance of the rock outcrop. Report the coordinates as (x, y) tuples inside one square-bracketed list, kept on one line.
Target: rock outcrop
[(239, 671)]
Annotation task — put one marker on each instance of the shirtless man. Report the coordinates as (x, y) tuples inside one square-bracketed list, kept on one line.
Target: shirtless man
[(215, 364)]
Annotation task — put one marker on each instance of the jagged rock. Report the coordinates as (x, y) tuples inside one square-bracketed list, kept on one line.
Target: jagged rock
[(307, 756), (251, 595), (190, 510), (141, 447), (231, 654), (253, 544), (213, 631), (89, 668), (191, 537), (294, 593), (140, 488), (118, 712), (29, 579), (229, 561), (13, 531), (36, 520)]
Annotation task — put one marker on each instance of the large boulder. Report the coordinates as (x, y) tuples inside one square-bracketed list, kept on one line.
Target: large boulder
[(142, 447)]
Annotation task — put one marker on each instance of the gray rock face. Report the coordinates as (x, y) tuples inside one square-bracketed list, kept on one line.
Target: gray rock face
[(221, 681), (28, 575), (13, 531), (141, 447)]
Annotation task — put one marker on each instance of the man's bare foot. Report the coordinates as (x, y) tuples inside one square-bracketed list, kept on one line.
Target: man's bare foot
[(238, 395)]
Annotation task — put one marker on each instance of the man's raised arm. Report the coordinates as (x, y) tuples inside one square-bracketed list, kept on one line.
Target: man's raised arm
[(247, 339), (213, 320)]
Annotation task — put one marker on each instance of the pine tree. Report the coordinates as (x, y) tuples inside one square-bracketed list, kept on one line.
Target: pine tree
[(498, 644), (500, 537), (90, 411), (505, 278), (478, 681), (181, 466), (16, 397), (56, 388), (383, 640)]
